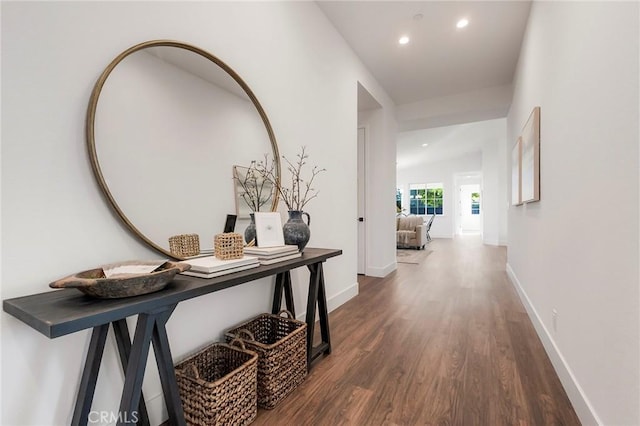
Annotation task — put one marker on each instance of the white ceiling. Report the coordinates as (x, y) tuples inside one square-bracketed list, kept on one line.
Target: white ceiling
[(446, 143), (445, 76), (440, 60)]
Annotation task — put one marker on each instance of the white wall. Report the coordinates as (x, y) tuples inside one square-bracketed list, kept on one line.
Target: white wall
[(54, 221), (576, 250), (478, 105), (494, 187)]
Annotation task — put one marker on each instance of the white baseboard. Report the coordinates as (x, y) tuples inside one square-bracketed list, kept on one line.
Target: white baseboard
[(382, 272), (343, 297), (490, 241), (441, 235), (156, 409), (579, 400), (336, 300), (493, 242)]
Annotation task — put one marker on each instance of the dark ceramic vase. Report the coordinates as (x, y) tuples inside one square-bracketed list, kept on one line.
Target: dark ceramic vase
[(296, 232), (250, 232)]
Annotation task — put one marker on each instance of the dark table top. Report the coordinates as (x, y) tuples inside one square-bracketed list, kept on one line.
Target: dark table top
[(59, 312)]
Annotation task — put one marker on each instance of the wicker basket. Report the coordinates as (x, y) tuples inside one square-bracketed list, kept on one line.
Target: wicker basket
[(184, 245), (228, 246), (218, 385), (281, 345)]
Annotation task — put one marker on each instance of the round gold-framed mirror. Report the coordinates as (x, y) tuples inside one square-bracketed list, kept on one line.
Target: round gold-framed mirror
[(166, 126)]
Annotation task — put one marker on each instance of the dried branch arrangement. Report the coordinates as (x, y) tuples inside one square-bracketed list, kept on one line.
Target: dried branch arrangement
[(301, 190), (257, 190)]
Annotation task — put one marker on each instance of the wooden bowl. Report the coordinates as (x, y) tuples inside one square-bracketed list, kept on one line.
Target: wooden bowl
[(95, 283)]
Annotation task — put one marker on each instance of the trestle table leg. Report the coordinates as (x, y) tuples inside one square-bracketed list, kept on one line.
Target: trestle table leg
[(90, 375)]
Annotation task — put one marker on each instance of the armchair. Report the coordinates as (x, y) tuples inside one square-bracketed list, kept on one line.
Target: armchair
[(411, 232)]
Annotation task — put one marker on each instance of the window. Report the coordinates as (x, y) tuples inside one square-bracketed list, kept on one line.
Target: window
[(426, 199), (475, 203), (434, 197), (398, 200), (417, 197)]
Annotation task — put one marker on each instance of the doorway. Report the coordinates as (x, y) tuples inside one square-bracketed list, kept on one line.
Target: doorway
[(369, 128), (470, 209)]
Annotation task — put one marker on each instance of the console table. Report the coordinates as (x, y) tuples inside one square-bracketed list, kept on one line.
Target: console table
[(61, 312)]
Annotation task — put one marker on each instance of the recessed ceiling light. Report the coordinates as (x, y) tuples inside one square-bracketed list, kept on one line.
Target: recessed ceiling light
[(425, 144), (462, 23), (403, 40)]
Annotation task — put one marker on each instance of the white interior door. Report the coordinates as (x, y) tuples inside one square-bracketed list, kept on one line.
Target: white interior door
[(362, 246)]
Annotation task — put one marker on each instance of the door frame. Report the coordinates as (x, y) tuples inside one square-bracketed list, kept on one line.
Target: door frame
[(362, 232)]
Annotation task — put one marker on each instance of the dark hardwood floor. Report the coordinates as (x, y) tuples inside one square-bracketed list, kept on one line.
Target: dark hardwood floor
[(443, 342)]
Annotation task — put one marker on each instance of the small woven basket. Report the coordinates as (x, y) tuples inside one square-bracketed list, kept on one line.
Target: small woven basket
[(218, 385), (184, 245), (281, 345), (228, 246)]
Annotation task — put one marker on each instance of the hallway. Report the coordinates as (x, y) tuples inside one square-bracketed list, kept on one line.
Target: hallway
[(445, 342)]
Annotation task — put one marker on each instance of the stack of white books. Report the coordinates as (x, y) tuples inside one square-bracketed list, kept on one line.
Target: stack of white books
[(270, 255), (211, 266)]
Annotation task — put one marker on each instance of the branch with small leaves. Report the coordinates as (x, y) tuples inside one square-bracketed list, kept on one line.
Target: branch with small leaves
[(301, 190), (256, 189)]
